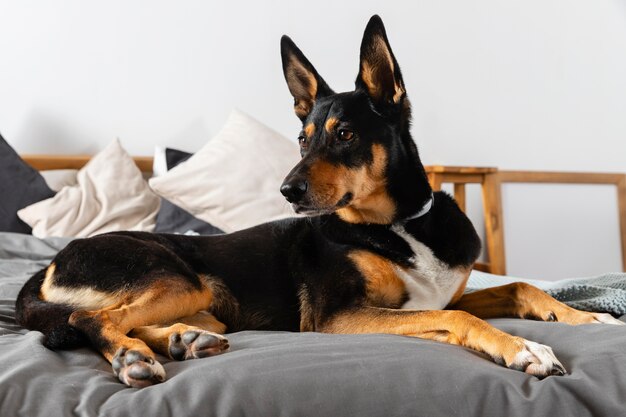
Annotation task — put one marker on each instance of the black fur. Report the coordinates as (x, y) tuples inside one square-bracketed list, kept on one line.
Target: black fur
[(50, 319)]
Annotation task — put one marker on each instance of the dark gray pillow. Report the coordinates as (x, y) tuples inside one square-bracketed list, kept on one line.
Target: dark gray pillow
[(20, 186), (174, 157), (173, 219)]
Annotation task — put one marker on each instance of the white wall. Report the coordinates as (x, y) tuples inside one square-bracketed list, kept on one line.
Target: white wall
[(520, 84)]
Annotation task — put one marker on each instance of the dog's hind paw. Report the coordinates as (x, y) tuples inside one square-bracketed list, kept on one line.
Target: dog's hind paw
[(573, 316), (606, 319), (537, 360), (136, 369), (194, 344)]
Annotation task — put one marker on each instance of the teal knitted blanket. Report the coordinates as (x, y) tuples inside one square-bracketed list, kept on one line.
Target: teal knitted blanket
[(604, 293)]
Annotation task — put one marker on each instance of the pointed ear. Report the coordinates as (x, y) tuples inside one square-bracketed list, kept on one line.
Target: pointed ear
[(379, 73), (304, 83)]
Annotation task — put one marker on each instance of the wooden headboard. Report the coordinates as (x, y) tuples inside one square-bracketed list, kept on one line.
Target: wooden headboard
[(144, 163), (45, 162)]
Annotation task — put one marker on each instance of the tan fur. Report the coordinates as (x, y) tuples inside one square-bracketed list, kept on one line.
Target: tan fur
[(309, 130), (307, 319), (84, 298), (371, 67), (520, 299), (370, 203), (48, 281), (384, 288), (157, 337), (165, 301), (302, 85), (330, 124)]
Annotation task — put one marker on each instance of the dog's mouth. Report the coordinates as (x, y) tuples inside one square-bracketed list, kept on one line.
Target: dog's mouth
[(313, 210), (309, 211)]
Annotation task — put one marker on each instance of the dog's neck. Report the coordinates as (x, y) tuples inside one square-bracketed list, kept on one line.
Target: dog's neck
[(377, 238), (408, 184), (413, 199), (423, 211)]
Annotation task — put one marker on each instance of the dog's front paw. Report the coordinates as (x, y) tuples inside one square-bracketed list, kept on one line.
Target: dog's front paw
[(136, 369), (537, 360), (194, 344)]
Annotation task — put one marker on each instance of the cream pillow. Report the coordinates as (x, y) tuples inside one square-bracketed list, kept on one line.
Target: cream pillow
[(233, 182), (110, 194)]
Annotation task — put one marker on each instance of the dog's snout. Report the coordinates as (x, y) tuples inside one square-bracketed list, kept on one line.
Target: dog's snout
[(294, 190)]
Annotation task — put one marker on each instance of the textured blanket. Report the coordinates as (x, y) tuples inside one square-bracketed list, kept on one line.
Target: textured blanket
[(605, 293)]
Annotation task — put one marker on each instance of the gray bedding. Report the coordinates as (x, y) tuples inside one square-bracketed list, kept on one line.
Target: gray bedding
[(300, 374)]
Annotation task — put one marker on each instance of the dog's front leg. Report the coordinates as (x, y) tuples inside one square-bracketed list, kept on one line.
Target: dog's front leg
[(450, 326)]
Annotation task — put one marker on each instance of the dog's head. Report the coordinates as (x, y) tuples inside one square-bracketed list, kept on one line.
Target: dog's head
[(358, 158)]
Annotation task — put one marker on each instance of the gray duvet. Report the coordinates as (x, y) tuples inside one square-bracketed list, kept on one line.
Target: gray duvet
[(302, 374)]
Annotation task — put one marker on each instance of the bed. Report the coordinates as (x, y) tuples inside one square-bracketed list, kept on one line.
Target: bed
[(301, 374)]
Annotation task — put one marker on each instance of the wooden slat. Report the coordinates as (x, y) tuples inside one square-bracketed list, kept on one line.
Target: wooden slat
[(460, 178), (492, 206), (459, 169), (559, 177), (621, 203), (459, 195), (435, 181), (45, 162), (484, 267)]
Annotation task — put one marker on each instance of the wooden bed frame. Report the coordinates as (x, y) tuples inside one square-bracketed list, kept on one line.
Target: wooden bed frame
[(489, 178)]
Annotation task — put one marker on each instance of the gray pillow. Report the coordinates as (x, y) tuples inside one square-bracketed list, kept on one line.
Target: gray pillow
[(20, 186), (173, 219), (175, 157)]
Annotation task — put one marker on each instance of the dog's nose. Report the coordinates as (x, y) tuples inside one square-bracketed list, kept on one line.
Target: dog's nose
[(294, 190)]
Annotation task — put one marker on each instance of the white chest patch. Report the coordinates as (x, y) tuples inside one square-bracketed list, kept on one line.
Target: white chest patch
[(430, 283)]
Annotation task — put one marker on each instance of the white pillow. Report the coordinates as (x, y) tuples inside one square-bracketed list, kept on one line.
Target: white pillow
[(110, 194), (233, 182), (159, 163)]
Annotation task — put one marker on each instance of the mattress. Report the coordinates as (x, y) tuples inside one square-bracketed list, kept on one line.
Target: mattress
[(302, 374)]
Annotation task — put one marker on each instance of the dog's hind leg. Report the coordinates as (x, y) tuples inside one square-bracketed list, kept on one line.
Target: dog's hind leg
[(197, 336), (164, 300), (523, 300)]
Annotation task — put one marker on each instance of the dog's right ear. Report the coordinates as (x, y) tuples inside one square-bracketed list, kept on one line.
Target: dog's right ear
[(304, 83)]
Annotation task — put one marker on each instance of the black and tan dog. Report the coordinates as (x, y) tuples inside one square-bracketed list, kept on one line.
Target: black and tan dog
[(379, 252)]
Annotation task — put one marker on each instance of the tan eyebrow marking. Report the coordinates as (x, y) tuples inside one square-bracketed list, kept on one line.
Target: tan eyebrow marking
[(331, 123), (309, 130)]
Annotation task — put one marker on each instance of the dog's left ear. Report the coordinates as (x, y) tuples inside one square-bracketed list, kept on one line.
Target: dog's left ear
[(304, 83), (379, 73)]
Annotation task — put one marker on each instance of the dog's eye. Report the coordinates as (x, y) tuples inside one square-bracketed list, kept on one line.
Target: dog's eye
[(345, 134), (302, 140)]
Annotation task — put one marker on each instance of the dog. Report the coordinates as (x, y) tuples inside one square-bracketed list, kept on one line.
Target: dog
[(376, 252)]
